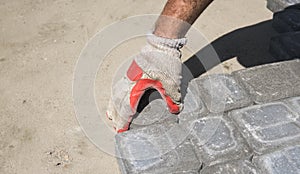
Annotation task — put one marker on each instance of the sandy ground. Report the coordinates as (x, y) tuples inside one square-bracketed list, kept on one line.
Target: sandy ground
[(40, 42)]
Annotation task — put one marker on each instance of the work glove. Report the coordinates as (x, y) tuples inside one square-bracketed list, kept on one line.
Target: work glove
[(158, 66)]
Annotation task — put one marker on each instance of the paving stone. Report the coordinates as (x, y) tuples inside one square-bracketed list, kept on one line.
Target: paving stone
[(155, 112), (222, 92), (283, 161), (156, 149), (217, 140), (271, 82), (193, 106), (287, 20), (285, 46), (267, 127), (192, 101), (235, 167), (278, 5)]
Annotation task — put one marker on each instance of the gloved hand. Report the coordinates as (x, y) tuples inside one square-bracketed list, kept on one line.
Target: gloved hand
[(158, 66)]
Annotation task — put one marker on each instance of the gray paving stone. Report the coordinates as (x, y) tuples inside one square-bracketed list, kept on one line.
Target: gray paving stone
[(267, 127), (283, 161), (235, 167), (217, 140), (278, 5), (192, 100), (285, 46), (271, 82), (156, 149), (193, 106), (155, 112), (287, 20), (222, 92)]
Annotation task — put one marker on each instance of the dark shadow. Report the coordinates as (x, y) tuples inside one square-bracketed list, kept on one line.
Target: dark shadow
[(147, 98), (249, 44)]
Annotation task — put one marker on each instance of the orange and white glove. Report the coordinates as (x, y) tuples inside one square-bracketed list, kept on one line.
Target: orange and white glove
[(158, 66)]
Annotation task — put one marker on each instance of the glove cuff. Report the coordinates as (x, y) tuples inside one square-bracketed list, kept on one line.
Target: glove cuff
[(170, 47), (161, 42)]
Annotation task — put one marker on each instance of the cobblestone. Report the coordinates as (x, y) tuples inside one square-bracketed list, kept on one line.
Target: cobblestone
[(283, 161), (271, 82), (155, 149), (217, 140), (150, 115), (221, 93), (192, 102), (193, 106), (268, 126)]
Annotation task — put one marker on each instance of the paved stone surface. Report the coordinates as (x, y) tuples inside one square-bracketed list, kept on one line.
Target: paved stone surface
[(283, 161), (249, 137), (217, 140), (221, 93), (235, 167), (268, 126), (271, 82), (285, 46), (278, 5), (155, 149), (287, 20)]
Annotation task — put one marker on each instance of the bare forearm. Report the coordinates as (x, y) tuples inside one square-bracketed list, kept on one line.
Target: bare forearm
[(177, 17)]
